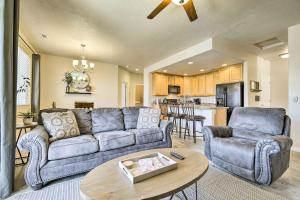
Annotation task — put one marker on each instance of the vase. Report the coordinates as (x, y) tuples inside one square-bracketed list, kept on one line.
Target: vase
[(67, 89), (27, 121)]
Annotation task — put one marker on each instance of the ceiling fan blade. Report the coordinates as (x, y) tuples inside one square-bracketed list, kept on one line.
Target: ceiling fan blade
[(190, 10), (159, 8)]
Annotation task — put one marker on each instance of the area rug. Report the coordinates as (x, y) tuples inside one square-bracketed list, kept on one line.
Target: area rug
[(214, 185)]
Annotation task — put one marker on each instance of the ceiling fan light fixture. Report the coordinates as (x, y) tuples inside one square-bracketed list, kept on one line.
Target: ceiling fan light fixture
[(180, 2)]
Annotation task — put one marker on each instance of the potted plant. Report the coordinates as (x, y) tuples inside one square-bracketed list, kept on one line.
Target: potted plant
[(68, 78), (27, 117)]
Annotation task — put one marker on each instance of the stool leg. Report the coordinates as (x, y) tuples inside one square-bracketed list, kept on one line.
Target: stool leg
[(180, 127), (186, 127), (194, 131)]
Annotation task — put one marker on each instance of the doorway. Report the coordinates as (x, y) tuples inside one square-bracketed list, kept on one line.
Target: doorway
[(139, 95)]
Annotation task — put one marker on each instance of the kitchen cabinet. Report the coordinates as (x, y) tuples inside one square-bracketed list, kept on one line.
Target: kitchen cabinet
[(210, 85), (171, 80), (180, 82), (201, 85), (236, 73), (187, 89), (159, 84), (224, 75), (195, 86)]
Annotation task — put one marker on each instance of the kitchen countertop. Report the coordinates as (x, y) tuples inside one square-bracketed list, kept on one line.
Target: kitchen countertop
[(208, 107)]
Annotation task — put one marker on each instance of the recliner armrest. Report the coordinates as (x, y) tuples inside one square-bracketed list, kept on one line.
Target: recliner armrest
[(216, 131), (274, 149), (210, 132)]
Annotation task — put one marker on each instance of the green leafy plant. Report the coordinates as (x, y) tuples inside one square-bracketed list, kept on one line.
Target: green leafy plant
[(26, 115), (68, 78)]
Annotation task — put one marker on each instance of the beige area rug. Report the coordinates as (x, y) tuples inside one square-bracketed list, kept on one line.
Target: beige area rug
[(214, 185)]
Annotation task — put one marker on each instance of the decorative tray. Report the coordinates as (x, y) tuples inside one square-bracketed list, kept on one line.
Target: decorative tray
[(140, 168)]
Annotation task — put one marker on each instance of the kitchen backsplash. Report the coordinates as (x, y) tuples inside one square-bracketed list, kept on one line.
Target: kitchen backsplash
[(204, 100)]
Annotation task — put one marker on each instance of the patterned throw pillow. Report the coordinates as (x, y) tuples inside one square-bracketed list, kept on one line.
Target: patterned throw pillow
[(148, 118), (60, 125)]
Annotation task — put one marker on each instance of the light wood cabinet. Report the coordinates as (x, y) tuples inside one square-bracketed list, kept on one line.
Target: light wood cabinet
[(210, 84), (236, 73), (224, 75), (159, 84), (198, 85), (187, 86), (201, 85), (195, 86)]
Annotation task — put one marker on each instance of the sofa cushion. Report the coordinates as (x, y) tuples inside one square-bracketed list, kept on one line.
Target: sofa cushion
[(49, 110), (236, 151), (60, 125), (107, 119), (84, 120), (71, 147), (149, 135), (131, 115), (148, 118), (115, 139), (264, 120), (250, 135)]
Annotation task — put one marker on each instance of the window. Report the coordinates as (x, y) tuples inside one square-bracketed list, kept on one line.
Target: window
[(23, 75)]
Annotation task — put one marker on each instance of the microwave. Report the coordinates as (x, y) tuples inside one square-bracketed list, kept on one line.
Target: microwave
[(173, 89)]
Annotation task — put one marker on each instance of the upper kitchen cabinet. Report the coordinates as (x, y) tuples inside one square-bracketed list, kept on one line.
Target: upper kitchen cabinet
[(201, 85), (195, 86), (187, 89), (236, 73), (224, 75), (159, 84), (210, 85), (171, 80), (180, 82)]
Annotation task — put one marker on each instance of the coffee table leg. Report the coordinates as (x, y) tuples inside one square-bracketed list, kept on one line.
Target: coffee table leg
[(184, 195), (196, 190)]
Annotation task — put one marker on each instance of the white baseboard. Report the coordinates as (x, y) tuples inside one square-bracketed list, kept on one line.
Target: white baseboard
[(296, 149)]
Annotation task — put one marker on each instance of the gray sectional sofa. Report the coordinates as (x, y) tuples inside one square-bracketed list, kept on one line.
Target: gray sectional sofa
[(106, 133), (256, 144)]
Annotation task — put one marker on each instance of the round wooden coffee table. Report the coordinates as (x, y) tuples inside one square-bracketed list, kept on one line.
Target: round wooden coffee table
[(107, 181)]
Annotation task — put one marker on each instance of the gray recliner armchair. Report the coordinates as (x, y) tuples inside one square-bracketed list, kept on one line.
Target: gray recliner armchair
[(256, 144)]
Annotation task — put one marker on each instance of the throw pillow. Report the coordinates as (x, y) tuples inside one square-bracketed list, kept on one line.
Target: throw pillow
[(84, 120), (148, 118), (60, 125)]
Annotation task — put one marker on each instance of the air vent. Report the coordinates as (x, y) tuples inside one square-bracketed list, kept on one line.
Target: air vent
[(268, 44)]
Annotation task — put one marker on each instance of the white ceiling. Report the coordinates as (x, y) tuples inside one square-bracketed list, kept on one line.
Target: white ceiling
[(117, 31), (208, 61)]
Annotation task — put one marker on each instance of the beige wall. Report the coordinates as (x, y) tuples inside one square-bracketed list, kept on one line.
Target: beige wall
[(279, 83), (294, 83), (131, 79), (104, 82)]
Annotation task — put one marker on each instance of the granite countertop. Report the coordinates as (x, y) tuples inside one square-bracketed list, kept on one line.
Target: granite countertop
[(208, 107)]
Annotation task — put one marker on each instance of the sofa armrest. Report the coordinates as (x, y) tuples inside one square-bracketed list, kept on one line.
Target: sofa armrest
[(36, 142), (210, 132), (272, 158), (166, 127)]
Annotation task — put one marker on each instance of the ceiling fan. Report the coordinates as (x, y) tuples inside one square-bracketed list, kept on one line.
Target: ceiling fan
[(187, 5)]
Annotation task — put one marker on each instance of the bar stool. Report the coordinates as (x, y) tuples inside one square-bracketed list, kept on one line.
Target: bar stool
[(164, 111), (175, 113), (189, 111)]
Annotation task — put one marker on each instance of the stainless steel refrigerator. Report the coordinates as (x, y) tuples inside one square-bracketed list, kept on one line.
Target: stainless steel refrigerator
[(230, 95)]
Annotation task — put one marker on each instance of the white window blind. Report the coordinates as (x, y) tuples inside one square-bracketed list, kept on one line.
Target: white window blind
[(23, 72)]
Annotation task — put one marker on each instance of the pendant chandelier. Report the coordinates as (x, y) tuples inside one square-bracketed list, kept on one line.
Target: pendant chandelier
[(83, 65)]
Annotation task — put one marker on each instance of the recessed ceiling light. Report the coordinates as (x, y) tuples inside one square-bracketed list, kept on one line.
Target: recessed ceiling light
[(165, 71), (224, 65), (284, 55), (127, 66), (185, 74), (44, 36), (137, 69), (190, 63), (202, 70)]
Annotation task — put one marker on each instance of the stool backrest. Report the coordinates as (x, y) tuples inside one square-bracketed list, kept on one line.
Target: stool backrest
[(188, 110), (163, 108), (174, 108)]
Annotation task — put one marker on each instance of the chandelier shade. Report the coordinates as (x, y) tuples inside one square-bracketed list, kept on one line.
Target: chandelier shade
[(83, 65)]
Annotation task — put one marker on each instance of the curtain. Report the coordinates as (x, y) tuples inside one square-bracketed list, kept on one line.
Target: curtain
[(35, 84), (9, 15)]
